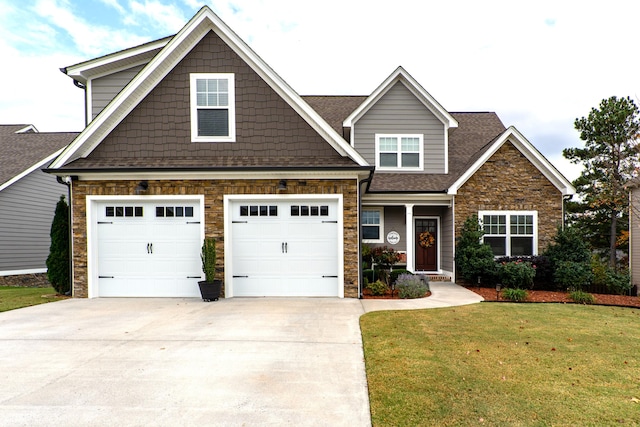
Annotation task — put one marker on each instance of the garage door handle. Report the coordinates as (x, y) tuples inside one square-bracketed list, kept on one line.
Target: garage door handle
[(329, 277), (151, 246), (194, 277), (106, 277), (286, 249), (329, 222), (246, 277), (148, 248)]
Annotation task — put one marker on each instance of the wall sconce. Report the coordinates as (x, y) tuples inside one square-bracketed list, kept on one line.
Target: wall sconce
[(282, 185), (142, 187)]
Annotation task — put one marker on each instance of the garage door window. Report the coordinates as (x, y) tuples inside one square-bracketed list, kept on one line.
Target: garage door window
[(258, 210), (174, 211), (306, 210), (123, 211)]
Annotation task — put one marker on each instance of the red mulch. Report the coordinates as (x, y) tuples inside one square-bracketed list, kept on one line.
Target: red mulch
[(489, 294)]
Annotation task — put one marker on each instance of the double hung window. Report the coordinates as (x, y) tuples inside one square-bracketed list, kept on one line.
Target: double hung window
[(399, 152), (372, 225), (510, 233), (212, 107)]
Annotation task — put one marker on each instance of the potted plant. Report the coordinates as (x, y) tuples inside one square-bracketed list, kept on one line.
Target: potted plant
[(210, 287)]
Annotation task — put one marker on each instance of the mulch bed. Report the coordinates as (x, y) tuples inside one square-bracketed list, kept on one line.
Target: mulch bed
[(489, 294)]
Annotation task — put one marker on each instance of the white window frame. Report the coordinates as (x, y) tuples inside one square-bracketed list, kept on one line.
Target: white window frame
[(398, 166), (508, 234), (381, 225), (230, 77)]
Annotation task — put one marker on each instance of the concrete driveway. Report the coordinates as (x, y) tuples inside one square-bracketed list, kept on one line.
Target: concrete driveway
[(236, 362)]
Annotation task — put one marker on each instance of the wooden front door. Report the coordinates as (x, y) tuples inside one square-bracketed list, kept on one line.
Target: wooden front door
[(427, 257)]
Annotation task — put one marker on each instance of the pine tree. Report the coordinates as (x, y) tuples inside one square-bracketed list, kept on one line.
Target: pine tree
[(58, 259)]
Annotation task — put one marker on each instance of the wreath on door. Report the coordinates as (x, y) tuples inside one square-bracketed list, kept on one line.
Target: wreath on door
[(426, 239)]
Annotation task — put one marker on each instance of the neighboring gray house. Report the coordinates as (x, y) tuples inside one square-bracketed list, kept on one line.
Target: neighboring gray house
[(28, 196)]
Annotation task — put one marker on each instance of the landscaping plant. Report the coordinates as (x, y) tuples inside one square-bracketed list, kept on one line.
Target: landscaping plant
[(58, 259), (517, 274), (378, 288), (514, 294), (572, 276), (411, 286), (474, 259), (582, 297)]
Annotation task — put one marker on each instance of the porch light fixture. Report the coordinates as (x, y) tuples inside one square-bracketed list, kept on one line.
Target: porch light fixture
[(282, 185), (142, 187)]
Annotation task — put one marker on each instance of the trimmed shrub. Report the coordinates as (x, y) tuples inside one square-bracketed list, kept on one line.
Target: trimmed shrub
[(543, 279), (582, 297), (378, 288), (393, 276), (474, 259), (58, 259), (568, 245), (369, 275), (517, 274), (411, 286), (572, 275), (517, 295)]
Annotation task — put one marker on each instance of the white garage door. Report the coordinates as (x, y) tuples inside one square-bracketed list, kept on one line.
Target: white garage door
[(285, 248), (149, 249)]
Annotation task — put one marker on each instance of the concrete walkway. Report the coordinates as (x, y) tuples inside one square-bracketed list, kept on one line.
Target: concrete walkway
[(443, 294), (171, 361)]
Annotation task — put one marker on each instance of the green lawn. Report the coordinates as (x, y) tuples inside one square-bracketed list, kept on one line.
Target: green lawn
[(504, 365), (14, 297)]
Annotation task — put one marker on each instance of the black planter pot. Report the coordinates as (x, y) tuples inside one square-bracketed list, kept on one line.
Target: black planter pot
[(210, 291)]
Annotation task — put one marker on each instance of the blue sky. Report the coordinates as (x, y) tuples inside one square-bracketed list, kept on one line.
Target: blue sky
[(539, 65)]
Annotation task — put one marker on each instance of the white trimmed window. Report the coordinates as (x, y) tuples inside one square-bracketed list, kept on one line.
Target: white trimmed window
[(213, 107), (399, 152), (510, 233), (372, 228)]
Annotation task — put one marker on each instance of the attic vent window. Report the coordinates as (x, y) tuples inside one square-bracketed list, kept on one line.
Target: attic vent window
[(213, 107)]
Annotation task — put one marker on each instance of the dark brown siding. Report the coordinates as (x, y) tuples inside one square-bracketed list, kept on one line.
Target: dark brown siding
[(266, 126)]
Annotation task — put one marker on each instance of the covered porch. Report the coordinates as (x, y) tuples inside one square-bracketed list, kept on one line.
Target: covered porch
[(418, 226)]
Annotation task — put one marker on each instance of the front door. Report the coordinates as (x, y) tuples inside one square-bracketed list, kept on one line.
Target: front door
[(426, 238)]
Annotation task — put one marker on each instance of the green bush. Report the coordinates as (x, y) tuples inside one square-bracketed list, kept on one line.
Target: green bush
[(512, 294), (58, 259), (208, 258), (393, 276), (582, 297), (369, 275), (517, 274), (572, 275), (411, 286), (378, 287), (568, 245), (619, 282), (473, 258)]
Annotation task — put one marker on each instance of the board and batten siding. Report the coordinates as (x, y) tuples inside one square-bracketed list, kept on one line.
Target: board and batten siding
[(26, 212), (399, 112), (104, 89)]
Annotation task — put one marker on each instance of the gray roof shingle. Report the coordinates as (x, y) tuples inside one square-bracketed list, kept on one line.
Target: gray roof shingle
[(21, 151)]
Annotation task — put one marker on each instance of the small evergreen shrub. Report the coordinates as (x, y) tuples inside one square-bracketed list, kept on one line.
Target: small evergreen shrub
[(378, 288), (512, 294), (411, 286), (572, 275), (369, 275), (473, 258), (543, 279), (58, 259), (582, 297), (517, 274)]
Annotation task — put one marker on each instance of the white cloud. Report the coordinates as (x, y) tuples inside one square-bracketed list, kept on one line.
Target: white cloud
[(165, 18)]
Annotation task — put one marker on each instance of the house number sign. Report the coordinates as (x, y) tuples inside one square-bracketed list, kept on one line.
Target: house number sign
[(393, 237)]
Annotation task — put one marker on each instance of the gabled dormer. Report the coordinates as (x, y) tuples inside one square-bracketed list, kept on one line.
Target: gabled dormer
[(400, 127)]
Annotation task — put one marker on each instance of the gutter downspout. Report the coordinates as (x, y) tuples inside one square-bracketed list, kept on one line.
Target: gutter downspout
[(67, 180), (368, 181)]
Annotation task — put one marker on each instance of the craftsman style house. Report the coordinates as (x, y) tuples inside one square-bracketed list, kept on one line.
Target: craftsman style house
[(194, 135)]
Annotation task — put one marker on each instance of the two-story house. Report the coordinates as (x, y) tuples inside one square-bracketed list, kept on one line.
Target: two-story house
[(195, 135)]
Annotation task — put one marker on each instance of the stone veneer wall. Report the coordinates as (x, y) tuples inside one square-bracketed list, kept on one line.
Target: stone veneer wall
[(213, 191), (508, 181)]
